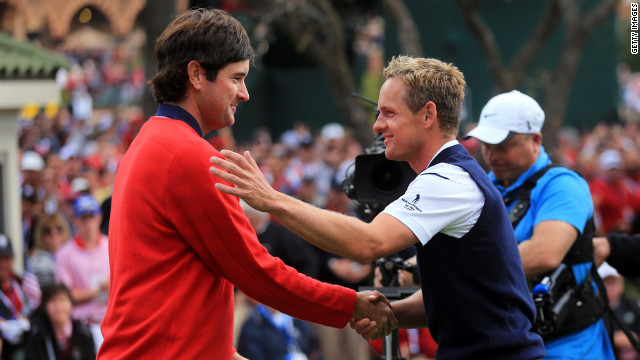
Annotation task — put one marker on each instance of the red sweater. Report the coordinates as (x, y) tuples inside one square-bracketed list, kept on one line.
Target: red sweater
[(177, 246)]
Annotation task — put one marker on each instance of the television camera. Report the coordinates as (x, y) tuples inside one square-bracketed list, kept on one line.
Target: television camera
[(377, 181)]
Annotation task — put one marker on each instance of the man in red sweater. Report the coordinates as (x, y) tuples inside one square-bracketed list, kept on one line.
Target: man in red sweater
[(177, 246)]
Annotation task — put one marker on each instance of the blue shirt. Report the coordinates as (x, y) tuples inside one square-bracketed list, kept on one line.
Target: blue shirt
[(561, 194)]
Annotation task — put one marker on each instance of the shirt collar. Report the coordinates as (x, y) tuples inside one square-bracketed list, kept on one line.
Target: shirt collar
[(542, 161), (178, 113), (446, 145)]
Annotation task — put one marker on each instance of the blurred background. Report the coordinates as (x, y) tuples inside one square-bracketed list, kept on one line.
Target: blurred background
[(73, 91)]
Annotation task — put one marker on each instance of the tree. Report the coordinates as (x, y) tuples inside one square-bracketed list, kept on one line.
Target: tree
[(317, 30), (578, 26)]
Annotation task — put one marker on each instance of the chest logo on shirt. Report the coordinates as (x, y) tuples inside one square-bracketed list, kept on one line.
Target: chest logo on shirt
[(413, 204)]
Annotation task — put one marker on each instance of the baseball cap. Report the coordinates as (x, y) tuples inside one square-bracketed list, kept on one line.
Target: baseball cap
[(605, 270), (610, 159), (332, 131), (6, 250), (506, 114), (79, 185), (31, 161), (85, 205)]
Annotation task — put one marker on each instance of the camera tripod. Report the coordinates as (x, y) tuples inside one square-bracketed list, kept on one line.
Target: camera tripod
[(390, 345)]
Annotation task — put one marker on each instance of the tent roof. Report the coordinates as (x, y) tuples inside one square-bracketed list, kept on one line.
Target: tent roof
[(25, 60)]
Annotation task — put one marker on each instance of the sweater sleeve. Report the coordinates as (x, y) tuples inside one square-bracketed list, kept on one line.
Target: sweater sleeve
[(625, 252), (215, 226)]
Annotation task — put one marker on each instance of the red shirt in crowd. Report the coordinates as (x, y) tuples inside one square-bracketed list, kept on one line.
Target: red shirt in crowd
[(615, 203)]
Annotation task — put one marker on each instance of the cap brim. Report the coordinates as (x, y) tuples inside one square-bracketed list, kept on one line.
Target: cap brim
[(488, 135)]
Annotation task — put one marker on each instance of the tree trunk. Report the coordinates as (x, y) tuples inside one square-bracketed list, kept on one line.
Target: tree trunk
[(408, 34), (578, 28), (317, 31)]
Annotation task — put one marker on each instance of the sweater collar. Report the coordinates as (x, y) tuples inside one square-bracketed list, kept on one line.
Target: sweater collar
[(178, 113)]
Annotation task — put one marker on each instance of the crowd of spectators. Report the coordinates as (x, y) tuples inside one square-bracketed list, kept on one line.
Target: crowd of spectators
[(74, 153)]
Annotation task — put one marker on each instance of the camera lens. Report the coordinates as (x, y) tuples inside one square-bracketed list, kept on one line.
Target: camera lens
[(387, 176)]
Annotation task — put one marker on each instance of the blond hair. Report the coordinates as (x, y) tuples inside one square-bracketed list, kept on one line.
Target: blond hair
[(46, 221), (427, 80)]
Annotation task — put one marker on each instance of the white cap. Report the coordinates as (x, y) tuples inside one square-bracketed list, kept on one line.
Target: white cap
[(512, 112), (32, 161), (610, 159), (332, 131), (605, 270), (80, 184)]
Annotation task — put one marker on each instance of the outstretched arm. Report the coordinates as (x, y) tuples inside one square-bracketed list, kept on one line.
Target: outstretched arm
[(337, 233), (624, 253)]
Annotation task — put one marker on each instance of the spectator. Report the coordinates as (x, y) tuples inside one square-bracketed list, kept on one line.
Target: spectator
[(54, 335), (268, 334), (31, 165), (18, 299), (625, 309), (294, 137), (51, 233), (83, 265), (307, 171), (613, 195)]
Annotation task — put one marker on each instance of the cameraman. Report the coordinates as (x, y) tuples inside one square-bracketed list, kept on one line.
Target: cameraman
[(556, 228), (475, 295)]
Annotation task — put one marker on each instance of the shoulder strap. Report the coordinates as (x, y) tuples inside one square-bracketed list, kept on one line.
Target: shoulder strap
[(524, 194), (582, 249)]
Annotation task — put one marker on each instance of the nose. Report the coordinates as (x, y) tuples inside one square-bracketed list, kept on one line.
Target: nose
[(379, 124), (243, 92)]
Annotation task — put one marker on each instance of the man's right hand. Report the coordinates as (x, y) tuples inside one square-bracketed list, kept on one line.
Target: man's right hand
[(373, 315)]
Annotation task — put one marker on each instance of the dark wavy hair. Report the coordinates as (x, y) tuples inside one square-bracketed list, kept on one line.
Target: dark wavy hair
[(50, 291), (211, 37)]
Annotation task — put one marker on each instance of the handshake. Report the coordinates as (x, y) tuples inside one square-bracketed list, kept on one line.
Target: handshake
[(373, 317)]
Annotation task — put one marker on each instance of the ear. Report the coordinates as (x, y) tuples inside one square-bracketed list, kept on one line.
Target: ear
[(430, 113), (195, 73), (537, 139)]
